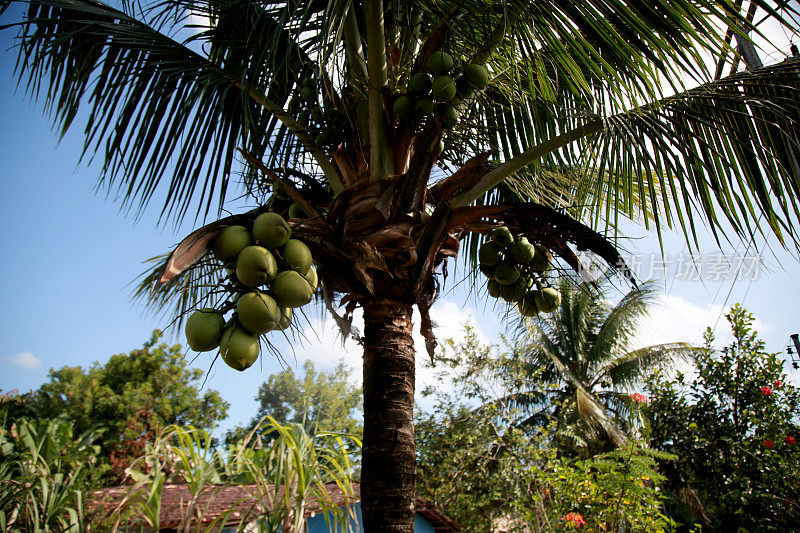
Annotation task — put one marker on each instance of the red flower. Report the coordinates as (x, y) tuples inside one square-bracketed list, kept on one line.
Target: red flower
[(789, 439), (777, 384), (638, 398), (575, 518), (766, 391), (768, 443)]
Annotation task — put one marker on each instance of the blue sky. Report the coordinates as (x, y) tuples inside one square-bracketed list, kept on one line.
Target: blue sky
[(69, 255)]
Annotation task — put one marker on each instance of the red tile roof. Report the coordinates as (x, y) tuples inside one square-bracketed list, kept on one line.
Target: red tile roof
[(216, 499)]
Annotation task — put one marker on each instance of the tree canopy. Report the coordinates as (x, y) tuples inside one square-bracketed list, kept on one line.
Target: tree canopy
[(319, 400), (734, 427), (576, 113), (128, 398)]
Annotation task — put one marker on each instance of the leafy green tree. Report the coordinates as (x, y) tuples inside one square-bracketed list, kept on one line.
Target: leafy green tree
[(127, 399), (481, 468), (584, 352), (577, 121), (734, 428), (319, 400)]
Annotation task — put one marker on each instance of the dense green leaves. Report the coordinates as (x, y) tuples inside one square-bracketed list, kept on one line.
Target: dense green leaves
[(734, 427), (44, 464)]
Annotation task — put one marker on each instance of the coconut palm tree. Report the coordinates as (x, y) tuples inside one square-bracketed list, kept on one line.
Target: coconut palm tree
[(592, 110), (583, 351)]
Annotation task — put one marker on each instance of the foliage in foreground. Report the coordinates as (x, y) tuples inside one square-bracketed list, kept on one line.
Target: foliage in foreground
[(44, 465), (283, 475), (127, 400), (734, 428), (481, 467)]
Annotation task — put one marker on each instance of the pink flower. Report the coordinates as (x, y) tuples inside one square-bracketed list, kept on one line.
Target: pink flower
[(766, 391), (768, 444), (777, 384), (575, 519), (789, 439), (638, 398)]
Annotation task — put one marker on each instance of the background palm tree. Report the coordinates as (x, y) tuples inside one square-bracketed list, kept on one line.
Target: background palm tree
[(583, 349), (595, 109)]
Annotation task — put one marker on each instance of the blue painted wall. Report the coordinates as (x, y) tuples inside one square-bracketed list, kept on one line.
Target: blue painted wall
[(317, 524)]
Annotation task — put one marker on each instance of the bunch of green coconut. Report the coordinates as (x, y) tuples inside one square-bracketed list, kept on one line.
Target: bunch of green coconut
[(516, 271), (268, 275), (437, 92), (322, 125)]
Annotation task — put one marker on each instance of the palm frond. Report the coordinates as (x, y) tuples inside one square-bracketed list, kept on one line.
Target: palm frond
[(157, 106), (727, 151), (629, 368), (620, 323)]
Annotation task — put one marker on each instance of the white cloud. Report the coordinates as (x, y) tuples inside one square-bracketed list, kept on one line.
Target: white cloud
[(26, 360), (675, 319)]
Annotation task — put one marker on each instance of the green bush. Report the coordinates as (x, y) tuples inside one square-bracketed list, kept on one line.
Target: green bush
[(734, 428), (44, 468)]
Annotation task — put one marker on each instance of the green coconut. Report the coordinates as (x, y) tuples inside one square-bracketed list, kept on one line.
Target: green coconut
[(239, 349), (204, 330), (443, 88), (512, 293), (463, 89), (477, 76), (502, 236), (494, 288), (322, 140), (439, 147), (286, 319), (506, 273), (439, 62), (489, 254), (527, 305), (486, 270), (312, 278), (424, 106), (291, 289), (256, 266), (448, 115), (297, 254), (403, 107), (420, 84), (548, 300), (258, 312), (522, 251), (230, 241), (541, 259), (271, 230)]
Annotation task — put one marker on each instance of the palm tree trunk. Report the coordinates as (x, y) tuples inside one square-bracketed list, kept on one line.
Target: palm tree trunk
[(389, 459)]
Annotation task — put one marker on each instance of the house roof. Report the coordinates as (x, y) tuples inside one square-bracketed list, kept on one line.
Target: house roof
[(216, 499)]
